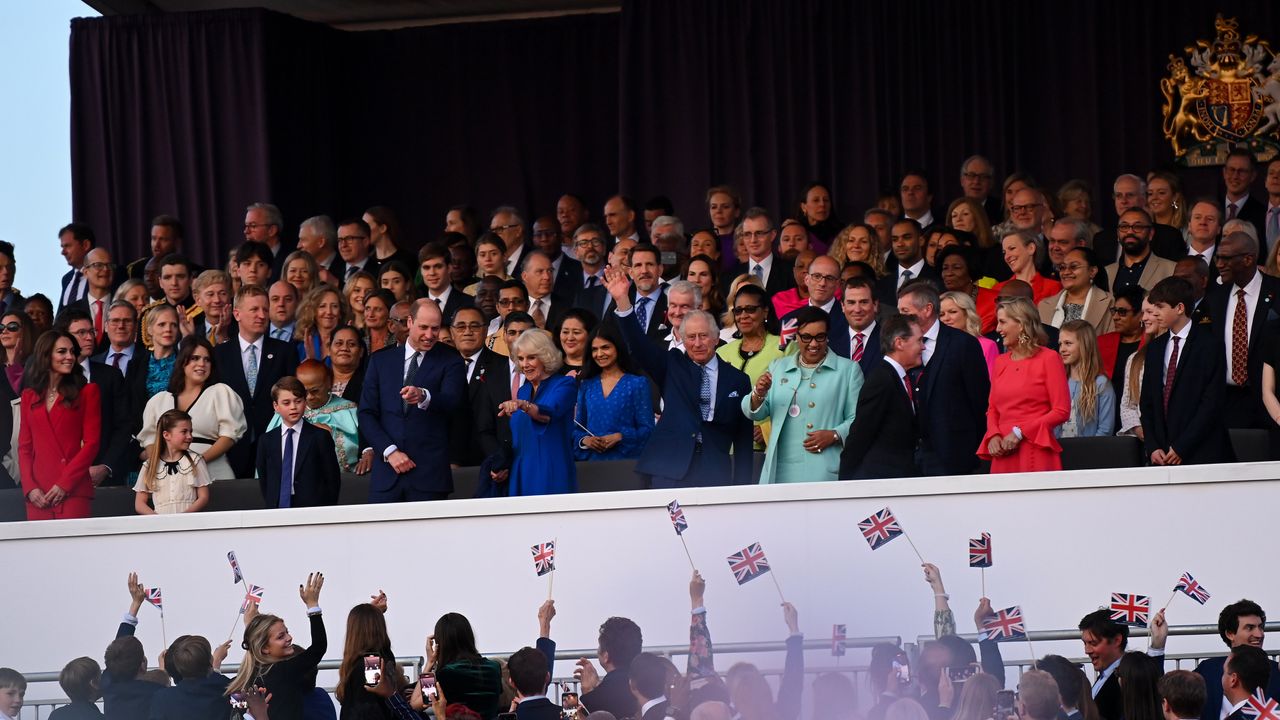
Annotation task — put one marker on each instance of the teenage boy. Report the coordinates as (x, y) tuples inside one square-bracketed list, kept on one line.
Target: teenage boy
[(297, 463)]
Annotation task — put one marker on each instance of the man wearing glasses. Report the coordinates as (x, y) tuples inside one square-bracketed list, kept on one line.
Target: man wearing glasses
[(263, 223), (1029, 213), (353, 248), (507, 224), (512, 297), (99, 274), (468, 331), (589, 247), (1137, 264), (758, 234), (113, 462), (398, 321), (1244, 309), (1238, 175), (823, 280), (976, 176)]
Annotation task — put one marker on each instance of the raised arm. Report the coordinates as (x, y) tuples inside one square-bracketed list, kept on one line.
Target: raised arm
[(136, 596), (310, 594), (944, 621), (545, 644), (701, 658), (988, 650), (792, 684)]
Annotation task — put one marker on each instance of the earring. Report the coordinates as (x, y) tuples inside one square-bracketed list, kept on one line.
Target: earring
[(1023, 338)]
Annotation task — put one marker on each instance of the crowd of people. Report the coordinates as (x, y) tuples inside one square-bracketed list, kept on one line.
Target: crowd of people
[(945, 679), (904, 343)]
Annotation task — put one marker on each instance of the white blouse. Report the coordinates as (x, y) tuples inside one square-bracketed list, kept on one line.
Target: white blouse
[(217, 412)]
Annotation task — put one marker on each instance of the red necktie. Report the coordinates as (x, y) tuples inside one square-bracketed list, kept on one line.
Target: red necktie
[(857, 347), (1170, 373), (97, 321), (1240, 342), (911, 392)]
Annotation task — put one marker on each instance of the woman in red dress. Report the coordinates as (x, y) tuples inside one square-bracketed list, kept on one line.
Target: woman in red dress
[(1029, 396), (61, 423)]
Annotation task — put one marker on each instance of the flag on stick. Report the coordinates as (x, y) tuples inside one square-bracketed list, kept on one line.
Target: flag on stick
[(1129, 609), (235, 567), (153, 597), (1191, 588), (677, 517), (544, 557), (1006, 624), (839, 633), (980, 551), (748, 563)]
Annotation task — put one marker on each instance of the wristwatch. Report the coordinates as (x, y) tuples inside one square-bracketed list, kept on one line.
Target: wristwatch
[(1017, 432)]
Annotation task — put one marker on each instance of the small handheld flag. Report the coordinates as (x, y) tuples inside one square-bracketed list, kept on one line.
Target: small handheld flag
[(1261, 707), (254, 595), (1191, 588), (880, 528), (1006, 624), (1129, 609), (980, 551), (544, 558), (788, 333), (235, 567), (748, 563), (839, 633), (153, 597), (677, 517)]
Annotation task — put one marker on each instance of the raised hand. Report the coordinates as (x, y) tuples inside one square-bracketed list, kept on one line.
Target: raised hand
[(220, 654), (310, 592), (1159, 631), (586, 675), (983, 612), (763, 384), (545, 612), (933, 576), (792, 618), (136, 594), (697, 589), (619, 287), (379, 601)]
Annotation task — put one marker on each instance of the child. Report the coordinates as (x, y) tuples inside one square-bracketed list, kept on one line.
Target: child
[(79, 680), (13, 688), (308, 475), (1093, 400), (328, 412), (201, 693), (175, 479), (124, 695), (271, 660)]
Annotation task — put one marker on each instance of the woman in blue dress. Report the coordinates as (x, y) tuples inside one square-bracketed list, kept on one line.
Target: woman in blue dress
[(615, 410), (541, 419)]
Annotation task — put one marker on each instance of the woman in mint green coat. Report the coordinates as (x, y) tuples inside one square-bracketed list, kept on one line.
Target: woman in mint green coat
[(810, 397)]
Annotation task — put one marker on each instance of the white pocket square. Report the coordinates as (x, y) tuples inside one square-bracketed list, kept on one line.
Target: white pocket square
[(733, 394)]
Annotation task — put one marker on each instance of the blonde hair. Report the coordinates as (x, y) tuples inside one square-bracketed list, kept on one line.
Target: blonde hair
[(1087, 368), (307, 308), (155, 454), (255, 663), (972, 322), (312, 267), (1134, 385), (840, 252), (727, 320), (1021, 311), (538, 343)]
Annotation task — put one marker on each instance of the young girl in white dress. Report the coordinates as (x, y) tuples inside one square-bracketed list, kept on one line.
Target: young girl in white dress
[(173, 478)]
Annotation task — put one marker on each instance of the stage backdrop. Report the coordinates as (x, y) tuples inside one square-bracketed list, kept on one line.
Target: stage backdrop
[(199, 114)]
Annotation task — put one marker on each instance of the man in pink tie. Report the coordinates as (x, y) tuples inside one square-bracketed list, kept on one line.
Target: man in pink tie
[(861, 341)]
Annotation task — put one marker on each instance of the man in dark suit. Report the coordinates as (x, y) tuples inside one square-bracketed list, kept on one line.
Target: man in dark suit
[(703, 422), (353, 249), (502, 378), (907, 245), (758, 235), (884, 438), (822, 281), (619, 642), (566, 271), (112, 464), (409, 395), (300, 470), (75, 240), (1238, 174), (99, 275), (976, 179), (951, 388), (860, 339), (10, 299), (129, 357), (538, 275), (1243, 283), (589, 292), (1194, 270), (649, 685), (1104, 644), (1240, 623), (263, 223), (529, 673), (646, 295), (250, 364), (1182, 395), (468, 332), (1246, 670), (433, 261)]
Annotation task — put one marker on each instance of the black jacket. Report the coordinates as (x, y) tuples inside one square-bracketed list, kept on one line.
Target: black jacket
[(193, 699)]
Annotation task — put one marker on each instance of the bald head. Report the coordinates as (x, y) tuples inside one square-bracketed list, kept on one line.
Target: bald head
[(1016, 289)]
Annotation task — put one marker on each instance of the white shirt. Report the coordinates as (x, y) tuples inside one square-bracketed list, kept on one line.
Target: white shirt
[(244, 355), (1251, 293), (426, 394), (1182, 336), (914, 269), (1228, 708), (925, 220), (866, 337), (126, 354), (930, 341), (288, 331), (84, 365), (513, 262), (586, 277), (442, 298), (1102, 676), (1207, 253), (297, 436), (471, 362), (827, 307), (106, 304), (902, 372), (765, 265), (494, 326), (652, 703)]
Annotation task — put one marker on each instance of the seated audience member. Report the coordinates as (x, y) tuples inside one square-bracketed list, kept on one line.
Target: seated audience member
[(399, 321), (353, 248), (301, 271), (1182, 396), (572, 336), (1080, 298), (614, 410), (286, 671), (958, 312), (385, 240), (528, 673), (1104, 643), (1137, 265), (1204, 228), (297, 464), (1029, 396), (885, 435), (1182, 695), (810, 408), (378, 333), (217, 413), (282, 307), (620, 641), (318, 237), (39, 308), (321, 311), (1242, 623), (460, 670), (13, 688), (1037, 697), (356, 289), (491, 258), (1020, 250), (1067, 234), (541, 417), (253, 261), (328, 411), (173, 479), (200, 694), (822, 277), (1093, 401), (80, 680), (462, 261), (160, 333), (1243, 282)]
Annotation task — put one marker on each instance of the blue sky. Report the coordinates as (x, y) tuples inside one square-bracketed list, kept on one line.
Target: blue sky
[(35, 150)]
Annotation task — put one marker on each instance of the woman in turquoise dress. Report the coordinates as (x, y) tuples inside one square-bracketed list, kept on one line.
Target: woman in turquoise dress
[(162, 329), (541, 419), (811, 397), (615, 412)]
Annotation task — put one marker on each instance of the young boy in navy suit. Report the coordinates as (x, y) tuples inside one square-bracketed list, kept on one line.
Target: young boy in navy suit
[(297, 461)]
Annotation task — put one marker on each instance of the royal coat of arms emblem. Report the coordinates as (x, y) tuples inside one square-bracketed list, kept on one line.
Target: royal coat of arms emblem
[(1224, 94)]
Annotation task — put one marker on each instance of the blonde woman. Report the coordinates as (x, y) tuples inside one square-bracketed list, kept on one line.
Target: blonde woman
[(301, 271), (1093, 401), (957, 310), (271, 661), (858, 243), (1165, 201), (356, 290)]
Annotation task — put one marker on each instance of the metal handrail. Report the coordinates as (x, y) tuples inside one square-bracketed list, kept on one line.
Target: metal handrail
[(728, 648), (1133, 632)]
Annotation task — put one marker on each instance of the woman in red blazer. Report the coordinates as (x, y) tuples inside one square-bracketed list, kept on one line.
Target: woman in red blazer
[(61, 423)]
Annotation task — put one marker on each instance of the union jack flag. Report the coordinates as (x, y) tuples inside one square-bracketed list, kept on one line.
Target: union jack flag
[(980, 551), (1129, 609), (153, 597), (1192, 588), (1261, 707), (677, 517), (544, 558), (880, 528), (1006, 624), (749, 563), (839, 633), (254, 595), (789, 330), (235, 566)]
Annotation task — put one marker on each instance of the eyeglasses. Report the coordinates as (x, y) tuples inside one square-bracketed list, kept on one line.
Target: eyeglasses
[(352, 239), (591, 242), (83, 332), (807, 339), (1024, 208), (254, 226), (1072, 267), (396, 320), (11, 327), (1122, 312), (500, 228), (509, 302), (975, 176), (746, 309), (1132, 227), (468, 327), (98, 266), (120, 321), (819, 277)]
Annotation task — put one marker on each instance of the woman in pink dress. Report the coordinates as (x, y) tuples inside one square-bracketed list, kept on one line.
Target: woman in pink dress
[(1029, 396)]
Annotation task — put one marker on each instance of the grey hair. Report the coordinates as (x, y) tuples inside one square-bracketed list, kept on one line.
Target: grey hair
[(699, 315), (663, 220), (538, 343), (273, 213), (1248, 243), (507, 209), (684, 287), (323, 226), (1237, 225), (589, 227), (888, 216), (971, 158), (756, 213), (124, 304), (1142, 184), (1079, 229)]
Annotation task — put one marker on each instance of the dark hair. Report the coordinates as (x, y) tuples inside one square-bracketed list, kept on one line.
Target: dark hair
[(124, 658), (964, 237), (38, 372), (400, 267), (918, 173), (80, 231), (528, 671), (714, 299), (1138, 678), (809, 314), (250, 249), (387, 297), (288, 384), (621, 638), (6, 249), (1099, 623), (191, 656), (79, 679), (171, 222), (455, 640), (514, 283), (1132, 294), (1229, 618), (867, 270), (896, 327), (434, 250), (1173, 291), (358, 222), (491, 239), (610, 334), (174, 258), (186, 348), (1089, 254), (385, 216), (649, 675), (1251, 665), (27, 334), (644, 247), (1184, 691), (915, 224), (451, 238), (967, 255), (661, 202), (882, 656), (586, 317), (1068, 676), (770, 319), (366, 635), (1237, 151), (70, 314), (517, 316)]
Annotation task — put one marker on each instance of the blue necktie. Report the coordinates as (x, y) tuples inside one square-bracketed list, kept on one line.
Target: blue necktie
[(704, 399), (642, 312), (251, 372), (286, 473)]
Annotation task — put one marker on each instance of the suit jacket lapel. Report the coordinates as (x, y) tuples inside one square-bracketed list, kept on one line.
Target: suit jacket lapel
[(938, 354), (304, 446)]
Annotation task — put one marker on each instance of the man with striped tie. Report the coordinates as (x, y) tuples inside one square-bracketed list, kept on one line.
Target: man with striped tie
[(860, 342)]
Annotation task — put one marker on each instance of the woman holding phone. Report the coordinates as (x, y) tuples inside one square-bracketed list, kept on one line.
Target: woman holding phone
[(369, 681), (459, 669)]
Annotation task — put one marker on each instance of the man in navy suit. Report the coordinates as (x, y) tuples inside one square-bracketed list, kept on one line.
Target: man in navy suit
[(860, 338), (1238, 173), (1243, 282), (1182, 389), (952, 387), (647, 295), (1240, 623), (1245, 671), (528, 673), (758, 234), (1105, 642), (906, 243), (648, 685), (703, 421), (884, 436), (300, 470), (75, 240), (410, 393), (566, 271), (433, 262), (250, 364)]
